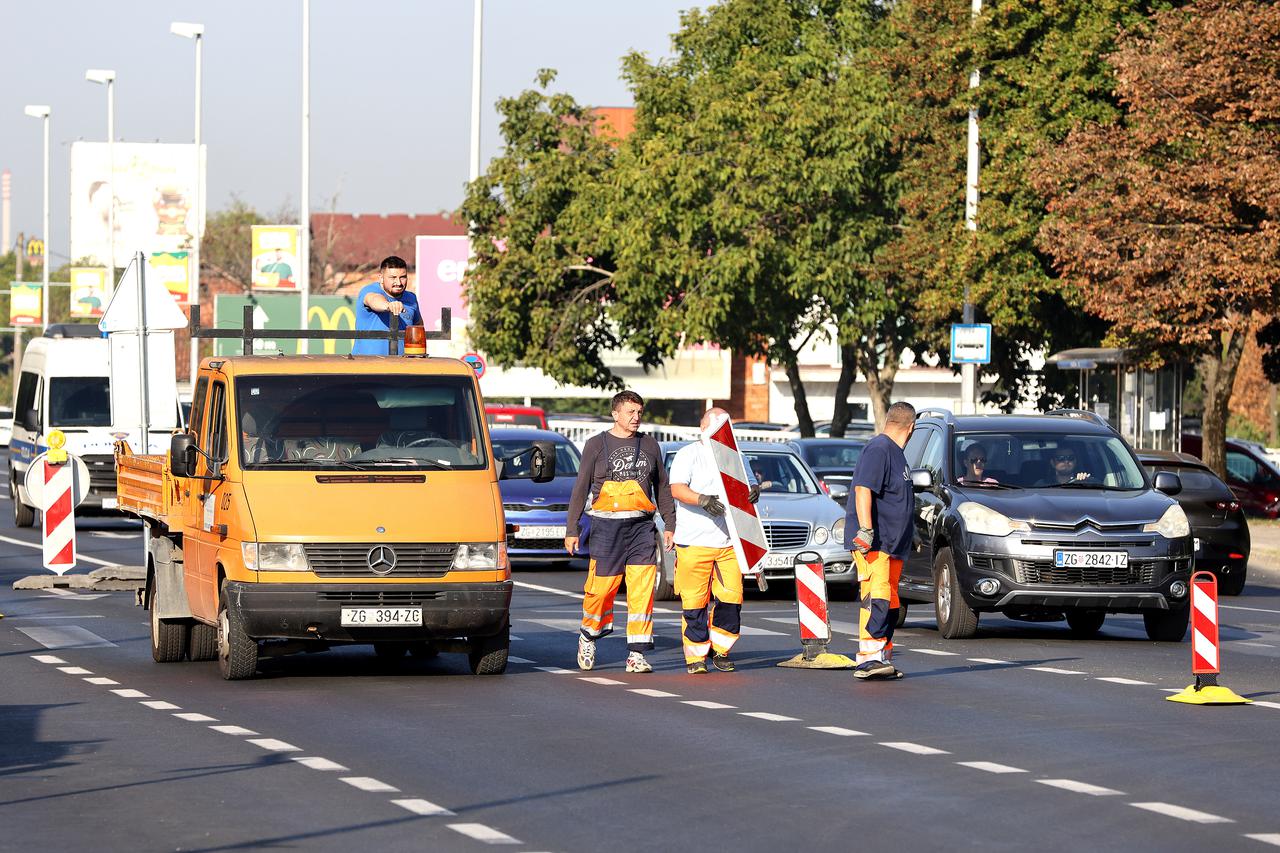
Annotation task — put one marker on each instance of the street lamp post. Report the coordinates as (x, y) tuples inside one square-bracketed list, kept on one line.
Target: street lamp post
[(195, 31), (108, 78), (43, 112), (969, 372), (304, 227), (477, 39)]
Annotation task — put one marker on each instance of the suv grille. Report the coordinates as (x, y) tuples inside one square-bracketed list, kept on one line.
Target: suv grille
[(413, 559), (1092, 544), (783, 535), (102, 472), (1138, 572), (533, 507), (370, 598)]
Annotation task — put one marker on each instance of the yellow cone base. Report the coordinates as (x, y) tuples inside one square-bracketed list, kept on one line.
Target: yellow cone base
[(1214, 694), (825, 660)]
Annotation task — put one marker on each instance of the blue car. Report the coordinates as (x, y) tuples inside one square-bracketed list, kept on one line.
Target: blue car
[(539, 510)]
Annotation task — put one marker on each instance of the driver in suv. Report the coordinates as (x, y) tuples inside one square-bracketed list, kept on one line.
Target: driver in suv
[(1043, 518)]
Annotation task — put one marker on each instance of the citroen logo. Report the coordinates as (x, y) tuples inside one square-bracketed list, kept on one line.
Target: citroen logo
[(382, 560)]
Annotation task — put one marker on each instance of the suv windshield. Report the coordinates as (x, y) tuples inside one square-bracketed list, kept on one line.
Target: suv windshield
[(367, 421), (76, 401), (567, 457), (1045, 460)]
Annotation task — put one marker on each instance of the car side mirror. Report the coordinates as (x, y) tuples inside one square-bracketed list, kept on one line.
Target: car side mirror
[(542, 465), (182, 454), (1168, 482), (921, 479), (30, 420), (837, 490)]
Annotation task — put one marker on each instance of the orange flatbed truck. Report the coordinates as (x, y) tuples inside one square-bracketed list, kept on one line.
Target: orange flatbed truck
[(322, 500)]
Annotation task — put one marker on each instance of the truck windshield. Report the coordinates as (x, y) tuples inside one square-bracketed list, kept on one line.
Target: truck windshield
[(1046, 460), (79, 401), (367, 421)]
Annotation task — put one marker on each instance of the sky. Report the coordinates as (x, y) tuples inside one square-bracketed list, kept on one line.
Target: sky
[(390, 90)]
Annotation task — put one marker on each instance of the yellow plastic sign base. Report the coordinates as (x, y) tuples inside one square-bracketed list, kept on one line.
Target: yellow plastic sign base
[(1209, 695), (825, 660)]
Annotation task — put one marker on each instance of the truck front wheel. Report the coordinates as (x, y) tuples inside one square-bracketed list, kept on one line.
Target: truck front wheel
[(488, 655), (237, 651)]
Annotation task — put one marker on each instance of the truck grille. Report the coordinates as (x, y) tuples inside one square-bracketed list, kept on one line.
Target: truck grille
[(1138, 572), (412, 559), (371, 598), (784, 535), (102, 472)]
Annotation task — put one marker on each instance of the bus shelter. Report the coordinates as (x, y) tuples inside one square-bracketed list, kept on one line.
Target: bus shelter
[(1143, 405)]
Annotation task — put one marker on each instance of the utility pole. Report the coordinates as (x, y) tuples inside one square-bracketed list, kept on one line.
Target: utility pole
[(969, 372), (5, 181)]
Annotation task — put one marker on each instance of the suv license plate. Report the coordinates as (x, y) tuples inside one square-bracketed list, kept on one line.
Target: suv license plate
[(374, 617), (1091, 559)]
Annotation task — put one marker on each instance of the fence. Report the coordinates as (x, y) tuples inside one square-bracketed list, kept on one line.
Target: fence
[(579, 431)]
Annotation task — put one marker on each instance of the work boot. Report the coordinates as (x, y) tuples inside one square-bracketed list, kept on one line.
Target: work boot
[(722, 662), (874, 669), (637, 663), (586, 653), (698, 667)]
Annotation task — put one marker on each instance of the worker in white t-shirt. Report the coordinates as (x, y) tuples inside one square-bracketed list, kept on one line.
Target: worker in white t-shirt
[(708, 576)]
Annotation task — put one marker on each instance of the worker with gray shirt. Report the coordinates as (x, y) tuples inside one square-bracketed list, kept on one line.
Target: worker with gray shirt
[(621, 484)]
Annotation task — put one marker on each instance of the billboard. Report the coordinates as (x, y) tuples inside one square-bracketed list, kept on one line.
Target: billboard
[(278, 311), (442, 264), (88, 291), (172, 270), (26, 307), (275, 257), (154, 188)]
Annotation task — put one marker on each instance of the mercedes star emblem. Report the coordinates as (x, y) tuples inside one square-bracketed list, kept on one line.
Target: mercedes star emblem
[(382, 560)]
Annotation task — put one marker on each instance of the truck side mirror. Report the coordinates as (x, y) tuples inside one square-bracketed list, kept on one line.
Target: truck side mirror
[(30, 420), (542, 464), (182, 454)]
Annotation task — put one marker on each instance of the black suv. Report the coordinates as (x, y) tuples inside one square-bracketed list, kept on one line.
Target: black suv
[(1043, 517)]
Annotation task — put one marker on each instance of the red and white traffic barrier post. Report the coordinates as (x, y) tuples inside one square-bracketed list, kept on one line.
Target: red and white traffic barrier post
[(57, 507), (746, 531), (815, 622), (1205, 648)]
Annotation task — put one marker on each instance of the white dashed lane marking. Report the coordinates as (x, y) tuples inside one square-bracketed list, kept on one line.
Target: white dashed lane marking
[(836, 730), (656, 694), (161, 705), (365, 783), (937, 652), (100, 681), (1181, 813), (196, 718), (914, 748), (75, 670), (765, 715), (514, 659), (130, 693), (317, 763), (1272, 838), (480, 832), (601, 680), (990, 767), (992, 661), (272, 745), (237, 731), (554, 670), (1117, 680), (1055, 671), (423, 807), (702, 703), (1081, 787), (48, 659)]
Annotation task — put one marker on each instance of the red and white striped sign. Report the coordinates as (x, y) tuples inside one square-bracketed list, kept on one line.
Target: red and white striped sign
[(811, 598), (59, 518), (745, 529), (1204, 623)]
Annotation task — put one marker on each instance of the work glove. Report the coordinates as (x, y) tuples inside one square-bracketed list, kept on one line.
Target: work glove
[(862, 540), (753, 493), (711, 504)]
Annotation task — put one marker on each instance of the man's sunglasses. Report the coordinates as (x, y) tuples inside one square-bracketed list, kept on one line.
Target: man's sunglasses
[(977, 460), (1065, 457)]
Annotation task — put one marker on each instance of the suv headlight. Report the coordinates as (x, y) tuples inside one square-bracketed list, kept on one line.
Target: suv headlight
[(1172, 525), (985, 521), (820, 535), (837, 532), (480, 556), (274, 557)]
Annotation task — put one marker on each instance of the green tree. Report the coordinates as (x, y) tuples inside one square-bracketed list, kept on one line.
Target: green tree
[(226, 250)]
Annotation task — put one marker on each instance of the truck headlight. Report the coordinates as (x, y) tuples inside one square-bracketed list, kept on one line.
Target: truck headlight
[(480, 556), (274, 557), (837, 532), (1172, 525), (820, 535), (987, 522)]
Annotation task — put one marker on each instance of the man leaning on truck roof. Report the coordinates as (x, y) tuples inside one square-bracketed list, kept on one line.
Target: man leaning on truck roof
[(381, 299)]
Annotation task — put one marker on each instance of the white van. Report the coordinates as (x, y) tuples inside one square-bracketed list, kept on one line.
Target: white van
[(65, 383)]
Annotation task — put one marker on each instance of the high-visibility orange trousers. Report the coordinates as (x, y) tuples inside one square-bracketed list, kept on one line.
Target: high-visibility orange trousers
[(597, 606), (710, 584), (878, 576)]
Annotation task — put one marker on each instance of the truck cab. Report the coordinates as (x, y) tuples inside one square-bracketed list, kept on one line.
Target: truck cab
[(323, 500)]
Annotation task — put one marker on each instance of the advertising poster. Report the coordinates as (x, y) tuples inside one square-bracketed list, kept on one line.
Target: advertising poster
[(277, 311), (25, 303), (441, 266), (88, 291), (275, 257), (171, 270), (154, 188)]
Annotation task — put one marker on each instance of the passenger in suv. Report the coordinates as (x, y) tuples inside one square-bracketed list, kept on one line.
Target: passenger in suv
[(1064, 523)]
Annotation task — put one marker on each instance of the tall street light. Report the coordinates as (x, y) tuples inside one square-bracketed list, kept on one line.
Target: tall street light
[(108, 78), (42, 111), (477, 41), (195, 31), (304, 229)]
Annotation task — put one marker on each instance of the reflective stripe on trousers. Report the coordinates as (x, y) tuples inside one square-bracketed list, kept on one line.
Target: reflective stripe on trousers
[(710, 585), (597, 605)]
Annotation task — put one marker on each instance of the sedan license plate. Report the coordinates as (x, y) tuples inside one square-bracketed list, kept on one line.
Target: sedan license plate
[(779, 561), (1091, 559), (541, 531), (381, 617)]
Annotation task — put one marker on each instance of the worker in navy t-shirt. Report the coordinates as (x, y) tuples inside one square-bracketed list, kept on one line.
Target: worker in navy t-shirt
[(380, 300), (880, 510)]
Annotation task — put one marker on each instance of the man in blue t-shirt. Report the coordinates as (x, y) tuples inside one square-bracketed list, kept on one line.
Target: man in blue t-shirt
[(378, 301), (881, 514)]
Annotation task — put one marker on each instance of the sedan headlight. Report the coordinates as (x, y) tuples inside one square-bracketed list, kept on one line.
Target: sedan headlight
[(820, 536), (987, 522), (1172, 525), (274, 557), (837, 532), (480, 556)]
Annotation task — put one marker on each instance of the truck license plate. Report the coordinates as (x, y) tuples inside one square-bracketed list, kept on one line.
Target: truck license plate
[(1091, 559), (374, 617), (541, 531)]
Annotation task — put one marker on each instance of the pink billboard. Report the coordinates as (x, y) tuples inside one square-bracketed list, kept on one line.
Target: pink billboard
[(442, 263)]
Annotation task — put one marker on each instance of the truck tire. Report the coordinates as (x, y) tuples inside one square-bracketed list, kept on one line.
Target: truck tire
[(203, 643), (237, 651), (168, 636), (1085, 623), (23, 515), (488, 655), (956, 619), (1167, 626)]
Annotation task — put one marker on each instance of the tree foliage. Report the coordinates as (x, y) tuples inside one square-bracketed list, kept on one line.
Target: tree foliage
[(1168, 218)]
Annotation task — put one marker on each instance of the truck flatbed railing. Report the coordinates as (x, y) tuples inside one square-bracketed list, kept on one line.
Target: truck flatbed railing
[(248, 334)]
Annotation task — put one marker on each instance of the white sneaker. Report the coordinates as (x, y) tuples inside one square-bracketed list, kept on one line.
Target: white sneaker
[(586, 653), (637, 663)]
